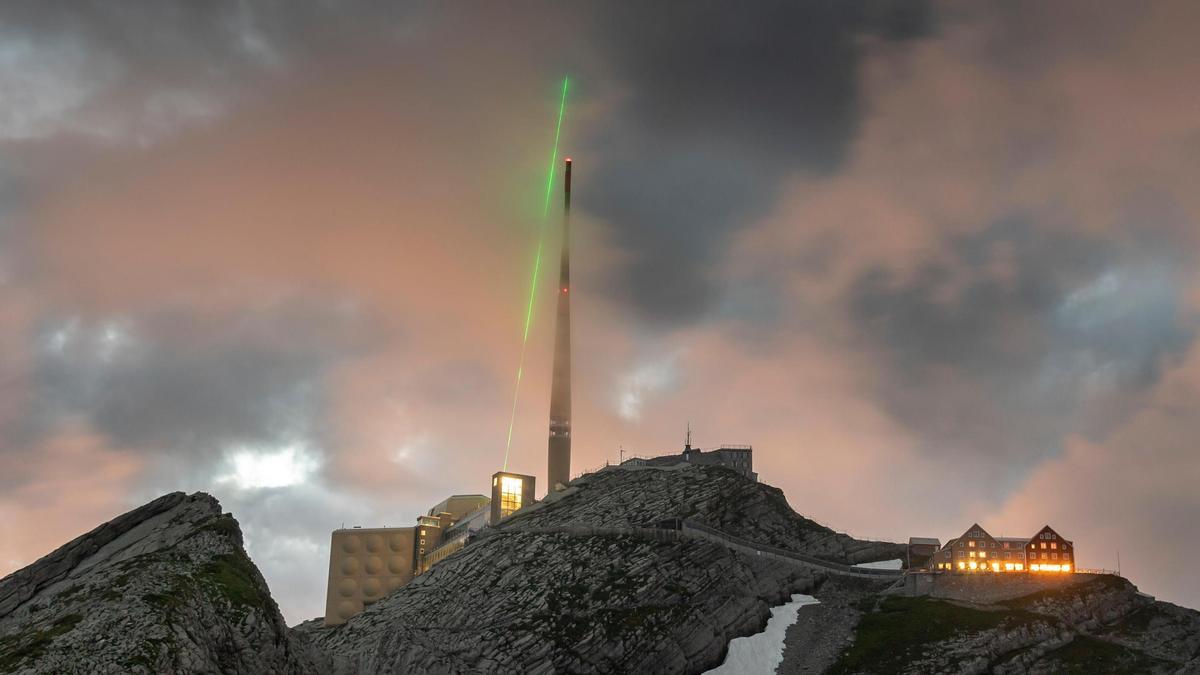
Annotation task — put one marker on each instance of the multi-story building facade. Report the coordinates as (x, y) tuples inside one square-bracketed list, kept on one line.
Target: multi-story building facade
[(1049, 552), (976, 550)]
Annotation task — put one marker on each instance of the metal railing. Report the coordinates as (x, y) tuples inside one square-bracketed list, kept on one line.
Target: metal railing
[(675, 529), (785, 553), (1096, 570), (594, 469)]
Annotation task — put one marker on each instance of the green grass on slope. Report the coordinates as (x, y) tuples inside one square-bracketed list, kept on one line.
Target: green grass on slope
[(31, 645), (887, 640), (1088, 656)]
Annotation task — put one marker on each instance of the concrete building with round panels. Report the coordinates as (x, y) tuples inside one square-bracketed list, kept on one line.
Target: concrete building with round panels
[(366, 564)]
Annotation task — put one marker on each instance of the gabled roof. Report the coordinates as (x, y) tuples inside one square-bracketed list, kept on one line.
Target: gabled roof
[(976, 526), (1047, 528), (1013, 540)]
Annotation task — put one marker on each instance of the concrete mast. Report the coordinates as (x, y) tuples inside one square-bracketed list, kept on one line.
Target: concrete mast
[(559, 452)]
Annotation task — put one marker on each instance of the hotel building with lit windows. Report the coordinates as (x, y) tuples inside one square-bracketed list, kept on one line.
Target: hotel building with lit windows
[(978, 551)]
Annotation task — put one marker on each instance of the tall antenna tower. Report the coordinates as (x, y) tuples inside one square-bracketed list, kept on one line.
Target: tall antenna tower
[(559, 450)]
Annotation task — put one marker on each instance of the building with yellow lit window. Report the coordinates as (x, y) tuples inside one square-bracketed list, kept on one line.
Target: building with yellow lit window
[(978, 551), (510, 491)]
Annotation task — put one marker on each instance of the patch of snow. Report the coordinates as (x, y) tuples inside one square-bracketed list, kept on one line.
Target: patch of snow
[(761, 653), (883, 565)]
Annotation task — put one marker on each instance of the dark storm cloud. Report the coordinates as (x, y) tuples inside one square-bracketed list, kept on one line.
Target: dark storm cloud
[(137, 70), (1015, 337), (722, 103), (193, 384)]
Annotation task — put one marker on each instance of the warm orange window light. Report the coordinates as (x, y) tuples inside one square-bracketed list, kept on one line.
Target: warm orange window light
[(510, 494), (1008, 567), (974, 565), (995, 567), (963, 566), (1020, 567)]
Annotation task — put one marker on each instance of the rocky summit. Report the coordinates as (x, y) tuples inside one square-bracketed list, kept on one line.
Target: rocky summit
[(629, 570), (165, 588)]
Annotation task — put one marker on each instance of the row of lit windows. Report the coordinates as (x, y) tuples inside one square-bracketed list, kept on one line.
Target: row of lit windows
[(984, 554), (985, 544), (1005, 567)]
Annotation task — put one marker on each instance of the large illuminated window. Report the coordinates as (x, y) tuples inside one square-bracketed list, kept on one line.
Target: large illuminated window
[(510, 495)]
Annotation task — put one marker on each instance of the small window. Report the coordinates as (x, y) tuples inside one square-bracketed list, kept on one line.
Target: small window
[(1007, 554), (971, 544), (972, 554), (1054, 555), (1054, 544), (1043, 544)]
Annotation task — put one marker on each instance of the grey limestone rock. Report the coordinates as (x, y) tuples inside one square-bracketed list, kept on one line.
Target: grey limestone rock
[(1100, 625), (165, 588)]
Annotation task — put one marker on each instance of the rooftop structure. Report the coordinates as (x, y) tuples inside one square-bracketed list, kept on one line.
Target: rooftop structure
[(740, 458)]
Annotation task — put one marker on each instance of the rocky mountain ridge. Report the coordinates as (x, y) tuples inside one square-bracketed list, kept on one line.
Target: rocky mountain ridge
[(585, 581), (165, 588)]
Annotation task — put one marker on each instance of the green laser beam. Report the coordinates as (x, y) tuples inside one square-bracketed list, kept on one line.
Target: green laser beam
[(537, 266)]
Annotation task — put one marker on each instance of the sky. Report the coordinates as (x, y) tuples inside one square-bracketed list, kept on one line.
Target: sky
[(936, 262)]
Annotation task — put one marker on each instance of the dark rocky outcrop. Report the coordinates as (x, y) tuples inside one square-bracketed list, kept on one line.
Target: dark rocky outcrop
[(165, 588), (710, 495), (1090, 624)]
